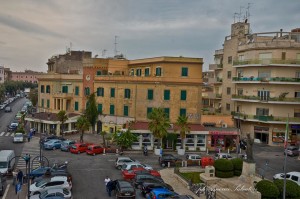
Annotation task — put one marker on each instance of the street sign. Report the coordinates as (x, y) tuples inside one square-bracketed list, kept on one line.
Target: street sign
[(18, 187)]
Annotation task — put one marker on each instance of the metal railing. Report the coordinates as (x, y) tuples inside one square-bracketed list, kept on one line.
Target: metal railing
[(276, 99), (265, 61), (264, 79)]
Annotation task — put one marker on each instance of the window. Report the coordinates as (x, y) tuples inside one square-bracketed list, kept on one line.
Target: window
[(138, 72), (184, 71), (100, 91), (149, 110), (227, 107), (229, 60), (47, 89), (42, 103), (158, 71), (42, 88), (147, 72), (87, 91), (166, 94), (77, 90), (240, 73), (76, 105), (263, 56), (100, 108), (183, 95), (228, 74), (283, 54), (297, 94), (241, 57), (264, 73), (297, 113), (125, 110), (99, 72), (150, 94), (131, 72), (112, 92), (264, 95), (64, 89), (262, 111), (298, 74), (228, 90), (167, 112), (112, 109), (240, 92), (48, 103), (127, 93), (182, 112)]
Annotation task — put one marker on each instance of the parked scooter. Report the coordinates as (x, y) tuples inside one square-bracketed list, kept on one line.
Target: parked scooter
[(63, 166)]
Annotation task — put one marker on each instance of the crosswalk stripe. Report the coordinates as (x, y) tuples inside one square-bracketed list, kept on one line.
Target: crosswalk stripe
[(12, 135), (8, 134), (1, 134)]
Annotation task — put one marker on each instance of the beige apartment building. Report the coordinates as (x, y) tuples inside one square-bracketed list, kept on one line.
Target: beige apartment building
[(256, 77)]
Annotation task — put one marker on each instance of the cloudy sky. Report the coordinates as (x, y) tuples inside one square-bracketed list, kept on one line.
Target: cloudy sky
[(32, 31)]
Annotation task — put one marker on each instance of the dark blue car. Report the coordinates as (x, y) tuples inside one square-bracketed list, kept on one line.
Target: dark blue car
[(160, 193), (53, 144), (40, 171)]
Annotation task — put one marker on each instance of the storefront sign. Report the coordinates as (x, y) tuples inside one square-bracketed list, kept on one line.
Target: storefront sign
[(223, 133)]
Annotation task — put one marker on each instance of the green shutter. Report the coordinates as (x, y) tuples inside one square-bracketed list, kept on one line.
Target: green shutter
[(42, 102), (98, 72), (150, 94), (167, 112), (147, 72), (127, 93), (42, 88), (166, 94), (183, 95), (149, 110), (98, 91), (112, 92), (112, 109), (76, 106), (182, 112), (125, 110), (100, 108), (184, 72), (76, 90), (48, 103)]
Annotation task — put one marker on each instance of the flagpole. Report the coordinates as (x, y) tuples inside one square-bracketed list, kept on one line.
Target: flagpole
[(285, 155)]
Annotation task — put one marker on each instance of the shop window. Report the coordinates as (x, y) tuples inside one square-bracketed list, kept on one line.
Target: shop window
[(146, 139), (201, 141), (136, 143), (189, 140)]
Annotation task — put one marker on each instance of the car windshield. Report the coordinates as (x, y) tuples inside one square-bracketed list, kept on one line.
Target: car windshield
[(74, 146), (43, 194), (3, 165), (42, 182)]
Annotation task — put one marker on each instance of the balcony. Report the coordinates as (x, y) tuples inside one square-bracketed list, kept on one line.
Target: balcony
[(63, 95), (265, 118), (270, 100), (215, 66), (211, 95), (275, 62), (272, 80)]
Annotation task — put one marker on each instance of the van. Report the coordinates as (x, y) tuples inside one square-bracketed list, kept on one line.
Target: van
[(7, 160)]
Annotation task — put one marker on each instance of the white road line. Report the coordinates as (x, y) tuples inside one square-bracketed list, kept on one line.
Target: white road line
[(12, 135), (6, 191), (7, 134), (1, 134)]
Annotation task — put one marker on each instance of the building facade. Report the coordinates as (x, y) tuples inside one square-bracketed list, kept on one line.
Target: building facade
[(258, 77), (26, 76)]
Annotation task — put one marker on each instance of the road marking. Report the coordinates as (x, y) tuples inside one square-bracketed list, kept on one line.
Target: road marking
[(6, 191), (1, 134), (12, 135), (7, 134)]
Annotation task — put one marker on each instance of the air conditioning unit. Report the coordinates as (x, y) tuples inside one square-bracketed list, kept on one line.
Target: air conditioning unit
[(224, 125)]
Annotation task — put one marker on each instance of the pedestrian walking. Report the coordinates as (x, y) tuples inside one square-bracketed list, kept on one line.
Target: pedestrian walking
[(106, 180), (20, 177), (110, 187), (28, 137)]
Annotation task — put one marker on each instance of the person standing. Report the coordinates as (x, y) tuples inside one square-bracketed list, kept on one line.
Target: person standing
[(20, 177), (106, 180), (109, 187)]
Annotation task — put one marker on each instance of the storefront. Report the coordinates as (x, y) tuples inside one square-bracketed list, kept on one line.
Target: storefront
[(222, 139), (295, 134), (261, 133)]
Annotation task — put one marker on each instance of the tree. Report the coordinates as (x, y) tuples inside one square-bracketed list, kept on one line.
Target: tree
[(82, 125), (159, 124), (91, 111), (182, 124), (62, 117), (103, 133), (33, 96), (125, 139)]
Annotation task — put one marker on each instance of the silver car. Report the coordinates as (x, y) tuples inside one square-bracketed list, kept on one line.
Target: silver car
[(18, 137)]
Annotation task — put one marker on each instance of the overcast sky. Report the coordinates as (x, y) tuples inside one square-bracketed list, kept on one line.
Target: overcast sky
[(32, 31)]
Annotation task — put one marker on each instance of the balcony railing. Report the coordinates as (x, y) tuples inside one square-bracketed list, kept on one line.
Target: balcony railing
[(264, 118), (263, 79), (265, 61), (63, 95), (271, 99)]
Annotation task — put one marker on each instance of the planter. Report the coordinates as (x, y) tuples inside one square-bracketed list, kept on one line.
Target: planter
[(181, 151), (157, 151)]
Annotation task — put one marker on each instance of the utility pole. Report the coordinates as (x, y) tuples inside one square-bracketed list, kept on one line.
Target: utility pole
[(285, 156)]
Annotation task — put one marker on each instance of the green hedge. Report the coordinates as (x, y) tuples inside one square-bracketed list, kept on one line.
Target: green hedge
[(224, 174), (223, 165), (267, 189), (237, 166), (292, 188)]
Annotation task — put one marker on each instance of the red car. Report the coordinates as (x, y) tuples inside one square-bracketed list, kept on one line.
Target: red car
[(130, 174), (94, 149), (79, 148)]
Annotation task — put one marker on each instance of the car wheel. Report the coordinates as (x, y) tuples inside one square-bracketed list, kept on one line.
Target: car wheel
[(119, 167)]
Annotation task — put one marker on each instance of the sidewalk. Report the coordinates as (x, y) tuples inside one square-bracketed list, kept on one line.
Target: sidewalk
[(170, 178), (10, 191)]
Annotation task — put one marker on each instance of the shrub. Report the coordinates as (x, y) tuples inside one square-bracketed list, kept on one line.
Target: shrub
[(224, 174), (267, 189), (193, 176), (223, 165), (237, 166), (292, 188)]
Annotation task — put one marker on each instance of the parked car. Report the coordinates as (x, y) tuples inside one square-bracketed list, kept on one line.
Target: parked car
[(53, 174), (7, 109), (51, 137), (12, 127), (57, 192), (130, 174), (124, 189), (193, 159), (292, 151), (18, 137), (50, 183), (40, 171), (223, 155), (132, 165), (293, 176), (168, 158), (52, 144), (79, 148), (139, 178), (2, 106), (94, 149), (181, 197), (3, 184), (66, 145), (122, 160), (148, 185), (160, 193)]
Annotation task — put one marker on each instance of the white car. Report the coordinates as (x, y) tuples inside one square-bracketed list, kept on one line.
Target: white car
[(59, 192), (194, 157), (18, 137), (123, 160), (223, 156), (293, 176), (50, 183), (131, 165)]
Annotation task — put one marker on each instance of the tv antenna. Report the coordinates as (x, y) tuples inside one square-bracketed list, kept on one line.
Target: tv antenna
[(247, 16), (103, 52), (116, 51)]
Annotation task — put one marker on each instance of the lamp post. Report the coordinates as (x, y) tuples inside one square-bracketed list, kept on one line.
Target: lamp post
[(27, 160)]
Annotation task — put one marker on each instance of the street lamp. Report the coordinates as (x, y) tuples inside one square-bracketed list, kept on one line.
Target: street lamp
[(27, 160)]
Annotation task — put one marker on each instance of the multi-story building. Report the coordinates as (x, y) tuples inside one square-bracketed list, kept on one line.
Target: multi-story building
[(7, 74), (26, 76), (258, 77), (1, 74)]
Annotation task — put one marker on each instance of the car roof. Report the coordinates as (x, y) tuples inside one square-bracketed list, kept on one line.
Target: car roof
[(295, 173), (53, 140), (161, 190), (59, 178), (133, 163), (54, 190), (124, 158)]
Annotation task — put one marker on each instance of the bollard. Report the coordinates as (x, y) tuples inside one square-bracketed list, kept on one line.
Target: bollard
[(228, 150), (117, 151), (169, 164), (104, 152), (207, 151)]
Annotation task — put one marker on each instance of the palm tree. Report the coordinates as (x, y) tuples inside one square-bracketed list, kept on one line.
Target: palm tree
[(82, 125), (183, 127), (103, 133), (159, 124), (62, 117)]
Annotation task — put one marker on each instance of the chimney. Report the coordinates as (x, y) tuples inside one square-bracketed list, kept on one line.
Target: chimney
[(281, 32)]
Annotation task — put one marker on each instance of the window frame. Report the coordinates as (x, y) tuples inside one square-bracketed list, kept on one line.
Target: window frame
[(127, 93), (167, 95), (183, 95), (150, 94), (184, 71)]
